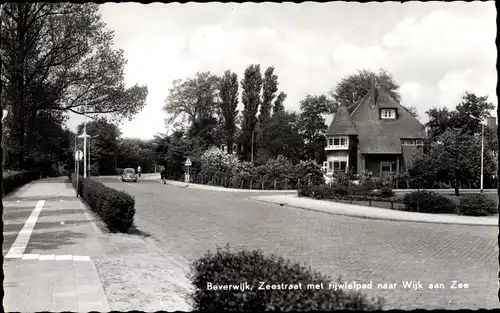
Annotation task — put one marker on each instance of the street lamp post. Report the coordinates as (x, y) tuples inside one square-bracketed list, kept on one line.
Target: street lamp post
[(482, 155)]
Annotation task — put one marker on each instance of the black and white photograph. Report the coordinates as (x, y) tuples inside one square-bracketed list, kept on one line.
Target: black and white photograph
[(249, 156)]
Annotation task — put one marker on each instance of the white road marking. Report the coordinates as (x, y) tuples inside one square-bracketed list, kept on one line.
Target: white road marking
[(66, 257), (50, 257), (19, 245), (54, 257), (31, 256)]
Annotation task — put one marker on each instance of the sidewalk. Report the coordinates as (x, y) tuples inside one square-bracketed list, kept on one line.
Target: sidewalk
[(374, 213), (212, 188), (48, 247), (57, 257)]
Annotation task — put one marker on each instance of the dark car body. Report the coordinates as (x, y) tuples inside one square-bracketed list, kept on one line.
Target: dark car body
[(129, 175)]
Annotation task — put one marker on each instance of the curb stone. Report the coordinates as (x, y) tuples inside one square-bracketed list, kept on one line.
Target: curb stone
[(332, 212)]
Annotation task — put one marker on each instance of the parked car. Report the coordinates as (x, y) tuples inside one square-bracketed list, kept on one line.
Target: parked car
[(129, 175)]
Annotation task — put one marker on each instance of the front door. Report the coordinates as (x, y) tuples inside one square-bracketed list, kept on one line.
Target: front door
[(385, 168)]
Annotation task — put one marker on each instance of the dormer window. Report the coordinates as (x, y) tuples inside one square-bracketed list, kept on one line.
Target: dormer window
[(388, 114)]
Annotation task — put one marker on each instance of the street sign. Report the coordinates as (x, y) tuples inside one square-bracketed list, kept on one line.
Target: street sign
[(79, 155), (188, 162)]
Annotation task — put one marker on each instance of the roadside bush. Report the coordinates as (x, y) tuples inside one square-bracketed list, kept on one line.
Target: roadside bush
[(119, 171), (424, 201), (477, 205), (365, 188), (14, 181), (233, 268), (386, 192), (116, 208), (304, 191), (309, 170)]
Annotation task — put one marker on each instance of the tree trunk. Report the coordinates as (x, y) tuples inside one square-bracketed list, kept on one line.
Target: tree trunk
[(457, 187)]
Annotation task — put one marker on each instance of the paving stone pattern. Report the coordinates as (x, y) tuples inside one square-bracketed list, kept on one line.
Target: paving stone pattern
[(188, 222)]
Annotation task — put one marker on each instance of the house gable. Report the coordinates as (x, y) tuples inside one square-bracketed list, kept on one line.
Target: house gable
[(342, 124), (383, 136)]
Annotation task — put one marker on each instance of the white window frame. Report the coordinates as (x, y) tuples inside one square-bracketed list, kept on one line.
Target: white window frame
[(337, 159), (412, 142), (331, 142), (223, 147), (388, 114), (235, 148)]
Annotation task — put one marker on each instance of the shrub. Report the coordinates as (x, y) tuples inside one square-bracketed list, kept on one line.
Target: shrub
[(119, 171), (116, 208), (304, 191), (233, 268), (365, 188), (428, 202), (386, 192), (309, 169), (14, 181), (477, 205)]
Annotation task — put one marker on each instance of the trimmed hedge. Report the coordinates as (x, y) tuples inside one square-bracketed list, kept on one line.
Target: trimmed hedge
[(424, 201), (342, 192), (477, 205), (225, 268), (14, 181), (116, 208)]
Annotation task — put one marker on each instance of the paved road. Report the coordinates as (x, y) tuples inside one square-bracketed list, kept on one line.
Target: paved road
[(188, 222)]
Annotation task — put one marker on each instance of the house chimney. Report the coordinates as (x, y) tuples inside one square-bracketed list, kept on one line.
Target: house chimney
[(373, 100)]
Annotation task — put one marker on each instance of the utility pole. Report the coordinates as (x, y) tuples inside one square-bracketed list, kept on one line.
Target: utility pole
[(85, 145), (482, 155)]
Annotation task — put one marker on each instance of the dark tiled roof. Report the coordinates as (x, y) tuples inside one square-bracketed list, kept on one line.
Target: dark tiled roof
[(376, 136), (342, 123), (385, 100)]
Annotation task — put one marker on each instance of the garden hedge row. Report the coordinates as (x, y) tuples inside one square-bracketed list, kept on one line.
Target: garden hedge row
[(422, 201), (355, 192), (432, 202), (116, 208), (225, 268), (13, 181), (477, 205)]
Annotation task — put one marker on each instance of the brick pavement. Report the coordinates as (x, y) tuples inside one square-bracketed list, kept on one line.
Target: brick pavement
[(48, 264), (189, 222)]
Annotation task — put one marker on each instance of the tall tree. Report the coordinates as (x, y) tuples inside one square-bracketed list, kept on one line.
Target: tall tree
[(229, 101), (251, 85), (352, 88), (312, 124), (191, 100), (458, 156), (269, 89), (282, 137), (467, 116), (60, 57), (279, 103)]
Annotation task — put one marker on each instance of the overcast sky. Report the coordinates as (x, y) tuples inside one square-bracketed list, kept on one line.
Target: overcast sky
[(436, 51)]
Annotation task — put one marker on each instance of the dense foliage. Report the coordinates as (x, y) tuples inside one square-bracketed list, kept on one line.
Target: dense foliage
[(477, 205), (13, 181), (226, 267), (424, 201)]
